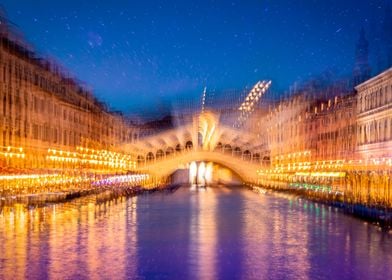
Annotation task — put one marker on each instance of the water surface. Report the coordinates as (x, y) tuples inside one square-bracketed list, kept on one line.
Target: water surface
[(217, 233)]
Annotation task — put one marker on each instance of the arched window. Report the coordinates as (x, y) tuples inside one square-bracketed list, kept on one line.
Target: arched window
[(179, 148), (256, 158), (140, 159), (247, 155), (266, 160), (237, 152), (150, 156), (160, 154), (169, 151), (189, 145), (227, 149)]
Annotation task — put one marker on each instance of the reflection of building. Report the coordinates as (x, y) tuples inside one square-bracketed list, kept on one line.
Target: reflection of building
[(375, 116), (41, 108)]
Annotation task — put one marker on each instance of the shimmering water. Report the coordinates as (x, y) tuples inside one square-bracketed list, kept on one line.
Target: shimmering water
[(220, 233)]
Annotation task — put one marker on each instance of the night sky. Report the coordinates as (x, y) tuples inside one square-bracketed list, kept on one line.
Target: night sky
[(138, 56)]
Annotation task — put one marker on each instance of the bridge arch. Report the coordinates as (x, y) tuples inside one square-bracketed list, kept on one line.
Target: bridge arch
[(164, 168)]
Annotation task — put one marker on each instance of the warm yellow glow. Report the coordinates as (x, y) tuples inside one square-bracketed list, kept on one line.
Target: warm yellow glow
[(321, 174), (192, 172), (201, 172), (208, 173)]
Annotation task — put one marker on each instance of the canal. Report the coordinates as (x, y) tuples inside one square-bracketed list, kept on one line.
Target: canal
[(215, 233)]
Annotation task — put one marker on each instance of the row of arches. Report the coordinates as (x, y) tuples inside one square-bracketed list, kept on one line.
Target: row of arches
[(237, 152), (161, 153), (245, 155)]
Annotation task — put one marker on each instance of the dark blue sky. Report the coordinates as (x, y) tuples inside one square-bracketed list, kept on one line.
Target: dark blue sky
[(138, 55)]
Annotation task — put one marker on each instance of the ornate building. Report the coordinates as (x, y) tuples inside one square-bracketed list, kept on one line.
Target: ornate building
[(286, 129), (331, 129), (308, 127), (375, 117)]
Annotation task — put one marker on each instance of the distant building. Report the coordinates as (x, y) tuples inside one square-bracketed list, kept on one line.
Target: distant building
[(331, 129), (316, 123), (285, 124), (374, 111)]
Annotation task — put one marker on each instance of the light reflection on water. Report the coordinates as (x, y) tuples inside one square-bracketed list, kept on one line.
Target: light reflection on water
[(215, 233)]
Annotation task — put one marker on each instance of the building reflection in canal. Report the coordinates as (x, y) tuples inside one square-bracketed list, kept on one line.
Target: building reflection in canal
[(199, 233)]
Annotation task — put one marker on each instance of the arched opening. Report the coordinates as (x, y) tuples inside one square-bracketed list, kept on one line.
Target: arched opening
[(219, 147), (227, 149), (247, 155), (150, 157), (160, 154), (203, 173), (266, 160), (189, 145), (179, 148), (256, 158), (237, 152), (140, 159), (169, 151)]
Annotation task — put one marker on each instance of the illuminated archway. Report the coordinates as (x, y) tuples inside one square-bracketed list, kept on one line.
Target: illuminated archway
[(160, 154), (247, 155), (169, 151), (227, 149), (256, 158), (237, 152), (189, 145), (179, 148), (246, 170), (140, 159), (150, 157)]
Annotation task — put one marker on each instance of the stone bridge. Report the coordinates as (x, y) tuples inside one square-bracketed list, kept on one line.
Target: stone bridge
[(164, 167), (201, 139)]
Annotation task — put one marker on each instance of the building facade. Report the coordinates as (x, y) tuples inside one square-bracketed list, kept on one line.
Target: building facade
[(331, 129), (374, 109), (42, 109), (307, 128)]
